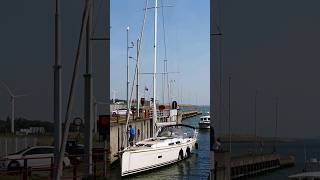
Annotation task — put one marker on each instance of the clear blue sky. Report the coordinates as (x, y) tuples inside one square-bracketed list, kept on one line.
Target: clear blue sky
[(187, 35)]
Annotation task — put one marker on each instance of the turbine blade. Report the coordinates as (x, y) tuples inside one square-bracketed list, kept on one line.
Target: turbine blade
[(21, 95), (8, 89)]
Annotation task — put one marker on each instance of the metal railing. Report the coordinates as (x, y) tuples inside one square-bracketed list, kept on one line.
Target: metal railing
[(100, 165)]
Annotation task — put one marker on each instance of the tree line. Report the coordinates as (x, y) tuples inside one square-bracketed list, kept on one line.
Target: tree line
[(23, 123)]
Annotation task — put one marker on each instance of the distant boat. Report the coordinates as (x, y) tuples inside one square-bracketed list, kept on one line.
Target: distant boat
[(311, 170), (204, 122), (306, 175)]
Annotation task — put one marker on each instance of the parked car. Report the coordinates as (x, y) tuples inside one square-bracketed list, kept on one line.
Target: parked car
[(74, 147), (76, 152), (121, 112), (37, 156)]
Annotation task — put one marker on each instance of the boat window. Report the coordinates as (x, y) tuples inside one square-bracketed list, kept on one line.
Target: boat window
[(178, 142), (148, 145), (171, 144), (209, 119), (176, 131)]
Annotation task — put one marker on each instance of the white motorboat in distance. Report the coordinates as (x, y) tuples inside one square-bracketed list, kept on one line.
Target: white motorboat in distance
[(172, 144), (204, 122), (305, 176)]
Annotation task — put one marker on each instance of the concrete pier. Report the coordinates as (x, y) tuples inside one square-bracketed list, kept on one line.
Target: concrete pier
[(233, 167), (189, 113)]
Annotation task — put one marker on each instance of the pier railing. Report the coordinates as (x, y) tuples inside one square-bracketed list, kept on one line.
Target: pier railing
[(241, 166)]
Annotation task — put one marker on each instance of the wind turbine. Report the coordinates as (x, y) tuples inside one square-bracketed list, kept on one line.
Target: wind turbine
[(12, 96), (114, 95)]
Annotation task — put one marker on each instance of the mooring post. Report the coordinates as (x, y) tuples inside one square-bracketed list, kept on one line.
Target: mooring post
[(51, 168), (94, 167), (75, 172), (25, 169)]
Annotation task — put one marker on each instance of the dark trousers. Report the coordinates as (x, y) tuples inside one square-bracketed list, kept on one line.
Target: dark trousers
[(131, 138)]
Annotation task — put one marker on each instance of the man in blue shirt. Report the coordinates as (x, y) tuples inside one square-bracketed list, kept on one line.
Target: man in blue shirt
[(131, 135)]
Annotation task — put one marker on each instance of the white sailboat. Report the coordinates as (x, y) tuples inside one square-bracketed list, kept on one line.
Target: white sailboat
[(171, 143)]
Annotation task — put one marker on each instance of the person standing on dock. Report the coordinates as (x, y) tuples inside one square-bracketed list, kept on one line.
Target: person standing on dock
[(218, 145), (131, 135)]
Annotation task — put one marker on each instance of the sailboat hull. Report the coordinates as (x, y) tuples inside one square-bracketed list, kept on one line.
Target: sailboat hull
[(136, 161)]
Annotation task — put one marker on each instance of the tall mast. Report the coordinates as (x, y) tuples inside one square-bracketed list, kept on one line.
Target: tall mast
[(229, 114), (255, 121), (128, 82), (57, 84), (138, 74), (276, 125), (167, 81), (88, 94), (154, 118)]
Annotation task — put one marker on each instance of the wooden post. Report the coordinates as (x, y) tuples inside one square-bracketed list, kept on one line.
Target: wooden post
[(94, 167), (52, 168), (75, 172), (25, 169)]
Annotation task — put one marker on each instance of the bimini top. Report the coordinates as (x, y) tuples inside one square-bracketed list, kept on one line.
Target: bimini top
[(177, 131), (183, 125)]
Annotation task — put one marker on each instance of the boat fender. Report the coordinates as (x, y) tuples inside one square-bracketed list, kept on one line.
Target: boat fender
[(180, 156), (196, 145), (174, 105), (188, 152)]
